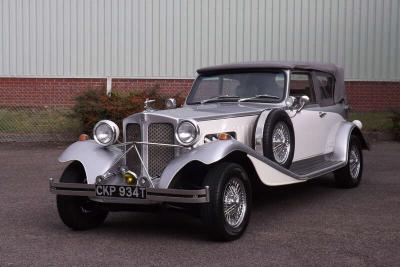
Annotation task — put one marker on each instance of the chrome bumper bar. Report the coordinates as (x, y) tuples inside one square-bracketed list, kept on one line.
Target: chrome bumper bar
[(152, 194)]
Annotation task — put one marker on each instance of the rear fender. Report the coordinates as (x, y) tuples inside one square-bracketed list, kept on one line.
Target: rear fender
[(345, 131), (95, 159)]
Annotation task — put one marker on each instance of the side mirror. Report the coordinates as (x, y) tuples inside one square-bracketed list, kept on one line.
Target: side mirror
[(304, 100), (170, 103)]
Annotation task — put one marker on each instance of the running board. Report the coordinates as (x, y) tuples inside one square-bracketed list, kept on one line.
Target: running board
[(315, 166), (272, 174)]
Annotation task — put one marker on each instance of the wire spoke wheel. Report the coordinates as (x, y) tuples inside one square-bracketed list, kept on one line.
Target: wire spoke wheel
[(354, 161), (350, 175), (281, 142), (234, 202)]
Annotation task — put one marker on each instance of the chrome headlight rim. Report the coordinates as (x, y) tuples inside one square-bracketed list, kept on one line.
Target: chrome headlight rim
[(114, 129), (197, 131)]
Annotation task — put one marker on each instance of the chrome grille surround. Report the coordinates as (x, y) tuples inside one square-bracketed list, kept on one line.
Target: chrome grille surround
[(155, 158)]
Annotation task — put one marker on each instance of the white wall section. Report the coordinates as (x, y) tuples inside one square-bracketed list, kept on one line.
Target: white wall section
[(172, 38)]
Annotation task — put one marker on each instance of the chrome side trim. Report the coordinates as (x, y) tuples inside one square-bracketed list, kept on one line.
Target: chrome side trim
[(259, 132), (153, 195), (157, 144), (228, 116)]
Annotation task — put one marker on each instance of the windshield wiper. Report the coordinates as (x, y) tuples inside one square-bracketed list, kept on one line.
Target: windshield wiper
[(259, 97), (220, 98)]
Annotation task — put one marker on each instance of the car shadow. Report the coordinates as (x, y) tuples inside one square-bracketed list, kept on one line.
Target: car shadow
[(170, 224), (308, 189), (173, 224)]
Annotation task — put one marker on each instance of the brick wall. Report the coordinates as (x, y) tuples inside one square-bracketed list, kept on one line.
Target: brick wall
[(167, 86), (44, 92), (366, 96), (60, 92)]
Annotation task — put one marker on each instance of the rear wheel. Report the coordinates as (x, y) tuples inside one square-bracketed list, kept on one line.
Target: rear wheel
[(350, 175), (227, 214), (77, 212)]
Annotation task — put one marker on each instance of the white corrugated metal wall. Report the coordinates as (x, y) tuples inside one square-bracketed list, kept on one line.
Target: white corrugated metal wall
[(172, 38)]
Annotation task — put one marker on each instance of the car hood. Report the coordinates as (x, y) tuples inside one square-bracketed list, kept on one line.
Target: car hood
[(212, 111)]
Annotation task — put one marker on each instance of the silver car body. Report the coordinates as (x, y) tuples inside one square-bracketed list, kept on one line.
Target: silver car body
[(321, 134)]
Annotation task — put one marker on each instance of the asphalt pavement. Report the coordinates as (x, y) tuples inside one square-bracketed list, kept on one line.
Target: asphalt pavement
[(314, 223)]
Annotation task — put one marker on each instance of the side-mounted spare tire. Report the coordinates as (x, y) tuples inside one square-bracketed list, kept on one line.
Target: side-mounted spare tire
[(278, 138)]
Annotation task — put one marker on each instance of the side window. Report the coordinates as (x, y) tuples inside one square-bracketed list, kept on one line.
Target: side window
[(301, 84), (326, 85)]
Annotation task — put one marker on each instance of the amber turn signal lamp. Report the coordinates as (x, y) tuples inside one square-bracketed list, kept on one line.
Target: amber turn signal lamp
[(84, 137), (224, 136)]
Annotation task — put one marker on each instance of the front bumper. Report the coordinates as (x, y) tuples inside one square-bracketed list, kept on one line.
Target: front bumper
[(153, 195)]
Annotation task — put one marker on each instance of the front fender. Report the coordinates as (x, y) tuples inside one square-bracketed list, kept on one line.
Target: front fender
[(268, 171), (95, 159), (206, 154)]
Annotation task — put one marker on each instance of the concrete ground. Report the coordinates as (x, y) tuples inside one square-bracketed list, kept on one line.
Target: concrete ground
[(313, 223)]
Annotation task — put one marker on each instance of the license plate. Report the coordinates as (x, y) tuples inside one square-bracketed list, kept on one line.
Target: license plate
[(120, 191)]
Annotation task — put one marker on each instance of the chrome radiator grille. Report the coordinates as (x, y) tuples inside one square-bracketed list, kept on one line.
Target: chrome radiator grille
[(160, 156), (133, 133)]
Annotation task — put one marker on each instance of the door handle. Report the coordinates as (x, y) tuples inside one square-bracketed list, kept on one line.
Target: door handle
[(322, 114)]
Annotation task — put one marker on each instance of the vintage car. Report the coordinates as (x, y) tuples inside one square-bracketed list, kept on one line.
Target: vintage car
[(242, 126)]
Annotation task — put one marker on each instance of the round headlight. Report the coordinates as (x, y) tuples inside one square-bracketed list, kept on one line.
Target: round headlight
[(187, 133), (105, 132)]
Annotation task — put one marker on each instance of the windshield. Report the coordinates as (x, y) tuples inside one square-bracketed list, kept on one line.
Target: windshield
[(235, 86)]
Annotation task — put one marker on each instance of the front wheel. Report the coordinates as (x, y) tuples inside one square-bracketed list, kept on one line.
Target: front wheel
[(227, 214), (77, 212), (350, 175)]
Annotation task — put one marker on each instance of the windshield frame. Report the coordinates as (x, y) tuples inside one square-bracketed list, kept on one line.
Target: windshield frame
[(281, 100)]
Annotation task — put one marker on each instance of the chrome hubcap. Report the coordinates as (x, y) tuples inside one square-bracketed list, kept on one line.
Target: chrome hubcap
[(281, 142), (354, 162), (235, 202)]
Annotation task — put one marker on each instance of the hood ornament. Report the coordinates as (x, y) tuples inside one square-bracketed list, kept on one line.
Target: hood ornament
[(149, 104)]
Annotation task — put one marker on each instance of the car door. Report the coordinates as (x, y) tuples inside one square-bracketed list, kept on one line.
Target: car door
[(331, 113), (311, 124)]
